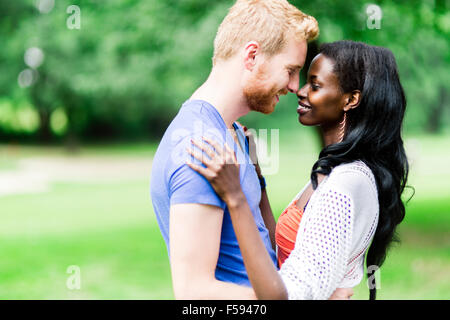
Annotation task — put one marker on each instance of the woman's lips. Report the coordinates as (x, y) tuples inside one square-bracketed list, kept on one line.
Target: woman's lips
[(303, 108)]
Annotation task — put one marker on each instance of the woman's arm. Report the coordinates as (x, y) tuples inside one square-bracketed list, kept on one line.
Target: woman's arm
[(223, 173), (263, 275)]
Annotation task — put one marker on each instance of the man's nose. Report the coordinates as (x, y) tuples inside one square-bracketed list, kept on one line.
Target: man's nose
[(293, 84)]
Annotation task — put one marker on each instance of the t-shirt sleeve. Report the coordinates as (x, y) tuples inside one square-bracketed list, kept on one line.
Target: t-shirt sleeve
[(188, 186)]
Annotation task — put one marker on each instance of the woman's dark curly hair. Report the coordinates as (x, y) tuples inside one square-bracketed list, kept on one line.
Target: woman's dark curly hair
[(372, 135)]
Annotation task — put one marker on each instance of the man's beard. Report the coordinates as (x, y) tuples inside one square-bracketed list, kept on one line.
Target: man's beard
[(258, 97)]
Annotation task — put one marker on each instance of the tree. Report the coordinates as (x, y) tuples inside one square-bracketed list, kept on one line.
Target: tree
[(132, 63)]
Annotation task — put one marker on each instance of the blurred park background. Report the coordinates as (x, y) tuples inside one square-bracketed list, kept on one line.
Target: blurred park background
[(87, 88)]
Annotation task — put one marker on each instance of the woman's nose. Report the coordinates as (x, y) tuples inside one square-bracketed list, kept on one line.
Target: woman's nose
[(301, 93)]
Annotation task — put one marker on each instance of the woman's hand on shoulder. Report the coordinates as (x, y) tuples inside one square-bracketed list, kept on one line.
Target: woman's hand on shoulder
[(222, 167)]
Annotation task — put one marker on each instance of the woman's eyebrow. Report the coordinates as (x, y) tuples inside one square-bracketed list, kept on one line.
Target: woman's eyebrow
[(314, 77)]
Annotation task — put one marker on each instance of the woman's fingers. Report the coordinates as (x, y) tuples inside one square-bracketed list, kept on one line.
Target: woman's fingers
[(199, 156), (202, 146), (231, 154), (218, 156), (224, 152), (221, 168), (217, 147), (203, 171), (243, 127)]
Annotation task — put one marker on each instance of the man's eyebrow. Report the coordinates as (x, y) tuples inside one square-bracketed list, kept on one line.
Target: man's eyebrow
[(294, 66)]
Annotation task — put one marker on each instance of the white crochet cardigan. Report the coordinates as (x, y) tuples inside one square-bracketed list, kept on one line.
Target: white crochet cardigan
[(335, 231)]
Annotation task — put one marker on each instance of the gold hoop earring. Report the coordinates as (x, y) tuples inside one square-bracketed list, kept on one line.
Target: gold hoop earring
[(342, 127)]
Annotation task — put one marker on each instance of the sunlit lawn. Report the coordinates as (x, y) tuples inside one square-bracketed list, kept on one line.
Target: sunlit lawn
[(109, 230)]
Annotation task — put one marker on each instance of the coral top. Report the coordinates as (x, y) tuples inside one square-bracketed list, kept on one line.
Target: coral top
[(286, 231)]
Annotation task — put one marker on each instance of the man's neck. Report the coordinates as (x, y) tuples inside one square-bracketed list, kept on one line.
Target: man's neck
[(223, 90)]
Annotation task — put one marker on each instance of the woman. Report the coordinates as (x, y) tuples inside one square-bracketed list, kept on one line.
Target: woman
[(353, 200)]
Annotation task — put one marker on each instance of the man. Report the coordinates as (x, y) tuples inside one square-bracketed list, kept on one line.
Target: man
[(259, 50)]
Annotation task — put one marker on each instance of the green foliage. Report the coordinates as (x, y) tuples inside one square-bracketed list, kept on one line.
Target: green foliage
[(125, 73)]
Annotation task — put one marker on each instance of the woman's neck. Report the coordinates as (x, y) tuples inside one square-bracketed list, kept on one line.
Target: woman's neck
[(331, 134)]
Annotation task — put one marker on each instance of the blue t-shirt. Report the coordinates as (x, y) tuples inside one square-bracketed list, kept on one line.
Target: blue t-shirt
[(173, 182)]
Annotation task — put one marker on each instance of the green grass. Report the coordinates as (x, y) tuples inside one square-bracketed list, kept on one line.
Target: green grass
[(126, 262), (417, 268), (110, 232), (13, 152)]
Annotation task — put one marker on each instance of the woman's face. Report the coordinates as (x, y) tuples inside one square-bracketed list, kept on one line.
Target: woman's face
[(321, 100)]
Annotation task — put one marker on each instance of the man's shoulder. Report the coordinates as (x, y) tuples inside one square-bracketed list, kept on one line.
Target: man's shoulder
[(195, 119), (197, 109), (195, 116)]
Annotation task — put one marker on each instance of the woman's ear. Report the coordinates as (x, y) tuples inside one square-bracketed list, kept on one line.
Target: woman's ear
[(251, 51), (352, 101)]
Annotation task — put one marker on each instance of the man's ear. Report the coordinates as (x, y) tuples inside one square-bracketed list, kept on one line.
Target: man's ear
[(251, 51), (352, 100)]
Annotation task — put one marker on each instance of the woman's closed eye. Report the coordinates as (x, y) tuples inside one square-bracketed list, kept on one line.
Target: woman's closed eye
[(314, 86)]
